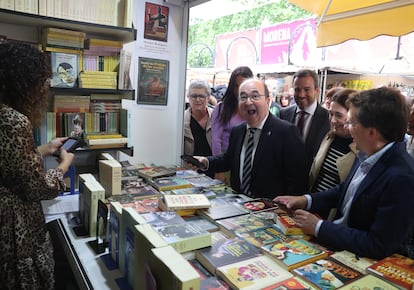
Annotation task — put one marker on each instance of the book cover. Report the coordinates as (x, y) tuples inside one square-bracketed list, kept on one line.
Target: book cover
[(351, 260), (162, 218), (327, 273), (201, 270), (255, 273), (243, 223), (153, 172), (288, 225), (185, 237), (213, 283), (369, 282), (263, 236), (115, 212), (64, 69), (156, 22), (224, 251), (153, 79), (396, 269), (171, 271), (169, 183), (223, 208), (259, 204), (203, 181), (293, 253), (202, 223), (110, 174), (181, 212), (186, 201), (288, 284), (137, 190)]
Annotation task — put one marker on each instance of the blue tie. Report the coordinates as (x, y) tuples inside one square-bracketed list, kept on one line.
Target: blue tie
[(247, 165)]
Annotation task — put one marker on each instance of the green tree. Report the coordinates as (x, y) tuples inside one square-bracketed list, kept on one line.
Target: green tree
[(203, 34)]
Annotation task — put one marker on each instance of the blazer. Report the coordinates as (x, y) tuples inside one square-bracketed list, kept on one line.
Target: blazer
[(381, 213), (343, 163), (318, 128), (278, 160)]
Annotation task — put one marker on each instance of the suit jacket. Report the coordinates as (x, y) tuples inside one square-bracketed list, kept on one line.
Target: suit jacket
[(318, 128), (381, 212), (278, 161)]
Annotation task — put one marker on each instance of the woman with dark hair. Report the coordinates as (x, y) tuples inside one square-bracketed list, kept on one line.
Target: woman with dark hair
[(226, 114), (337, 153), (26, 252)]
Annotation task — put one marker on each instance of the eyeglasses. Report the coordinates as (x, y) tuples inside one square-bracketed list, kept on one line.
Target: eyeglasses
[(253, 97), (197, 96), (350, 123)]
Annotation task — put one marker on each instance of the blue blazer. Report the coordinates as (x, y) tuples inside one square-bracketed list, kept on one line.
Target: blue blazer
[(278, 165), (317, 130), (381, 213)]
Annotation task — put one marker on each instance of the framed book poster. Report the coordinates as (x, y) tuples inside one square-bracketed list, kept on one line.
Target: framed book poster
[(65, 69), (156, 22), (153, 77)]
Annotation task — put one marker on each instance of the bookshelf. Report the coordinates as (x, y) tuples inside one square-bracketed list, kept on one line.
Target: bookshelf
[(27, 27)]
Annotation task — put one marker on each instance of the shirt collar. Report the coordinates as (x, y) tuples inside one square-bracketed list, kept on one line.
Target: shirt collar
[(309, 109), (370, 161)]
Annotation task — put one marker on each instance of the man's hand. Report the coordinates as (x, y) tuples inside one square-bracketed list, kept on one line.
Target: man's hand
[(306, 221)]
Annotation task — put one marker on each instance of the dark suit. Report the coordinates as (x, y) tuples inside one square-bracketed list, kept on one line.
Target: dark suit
[(381, 211), (318, 128), (278, 161)]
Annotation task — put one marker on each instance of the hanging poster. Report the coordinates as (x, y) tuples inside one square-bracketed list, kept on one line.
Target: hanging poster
[(156, 22), (153, 77)]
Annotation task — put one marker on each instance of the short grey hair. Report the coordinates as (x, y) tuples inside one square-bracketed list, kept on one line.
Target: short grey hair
[(199, 84)]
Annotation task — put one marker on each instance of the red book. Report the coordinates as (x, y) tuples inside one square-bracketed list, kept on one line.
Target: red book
[(396, 269)]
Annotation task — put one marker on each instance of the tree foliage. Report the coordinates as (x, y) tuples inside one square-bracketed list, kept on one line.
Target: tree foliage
[(203, 34)]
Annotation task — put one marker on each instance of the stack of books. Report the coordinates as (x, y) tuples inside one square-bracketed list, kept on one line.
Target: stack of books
[(98, 80), (63, 38)]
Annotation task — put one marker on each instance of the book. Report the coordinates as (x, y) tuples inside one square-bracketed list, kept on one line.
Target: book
[(203, 181), (169, 183), (294, 253), (397, 269), (152, 172), (243, 223), (107, 141), (110, 174), (259, 204), (136, 190), (146, 238), (223, 208), (90, 191), (351, 260), (262, 236), (184, 237), (369, 282), (186, 201), (224, 251), (202, 223), (213, 283), (288, 284), (65, 69), (162, 218), (327, 273), (287, 225), (255, 273), (172, 271)]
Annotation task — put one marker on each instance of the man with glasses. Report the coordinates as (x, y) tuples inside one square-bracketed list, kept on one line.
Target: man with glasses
[(375, 202), (265, 154)]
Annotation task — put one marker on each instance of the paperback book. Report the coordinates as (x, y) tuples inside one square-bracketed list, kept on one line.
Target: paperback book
[(263, 236), (186, 201), (288, 284), (169, 183), (202, 223), (153, 172), (243, 223), (396, 269), (327, 273), (255, 273), (184, 237), (222, 207), (224, 251), (162, 218), (351, 260), (369, 282), (293, 253), (288, 225)]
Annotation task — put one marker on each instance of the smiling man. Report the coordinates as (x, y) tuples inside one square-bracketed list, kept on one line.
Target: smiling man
[(265, 154), (308, 115)]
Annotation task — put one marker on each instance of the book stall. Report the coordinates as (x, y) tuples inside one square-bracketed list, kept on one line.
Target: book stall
[(164, 227)]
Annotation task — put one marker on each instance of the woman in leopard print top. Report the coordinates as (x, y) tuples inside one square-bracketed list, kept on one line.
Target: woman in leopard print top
[(26, 252)]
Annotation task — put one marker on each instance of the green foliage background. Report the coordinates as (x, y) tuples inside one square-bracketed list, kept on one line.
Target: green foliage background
[(202, 34)]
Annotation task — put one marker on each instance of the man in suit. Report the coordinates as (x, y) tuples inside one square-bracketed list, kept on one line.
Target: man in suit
[(274, 163), (375, 203), (315, 121)]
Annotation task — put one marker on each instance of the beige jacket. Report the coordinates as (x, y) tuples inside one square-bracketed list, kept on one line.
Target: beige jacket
[(188, 135), (344, 163)]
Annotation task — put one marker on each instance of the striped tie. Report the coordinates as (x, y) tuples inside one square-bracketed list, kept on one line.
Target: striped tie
[(247, 165)]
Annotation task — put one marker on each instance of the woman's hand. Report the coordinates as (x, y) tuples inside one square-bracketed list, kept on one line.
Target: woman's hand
[(52, 146)]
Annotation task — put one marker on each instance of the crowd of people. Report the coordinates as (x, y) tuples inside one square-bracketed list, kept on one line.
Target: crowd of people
[(344, 168)]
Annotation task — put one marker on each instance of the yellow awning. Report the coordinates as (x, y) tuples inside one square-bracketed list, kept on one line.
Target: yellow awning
[(341, 20)]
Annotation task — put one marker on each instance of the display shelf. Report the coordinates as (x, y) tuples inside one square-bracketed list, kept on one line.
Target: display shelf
[(123, 34), (126, 94)]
